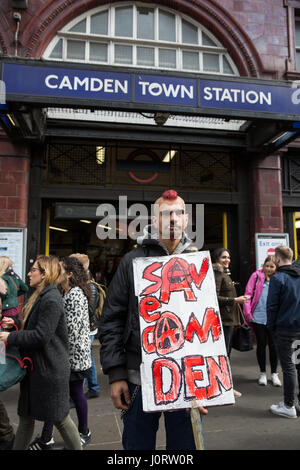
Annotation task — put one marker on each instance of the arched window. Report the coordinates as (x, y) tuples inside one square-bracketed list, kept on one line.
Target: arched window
[(134, 35)]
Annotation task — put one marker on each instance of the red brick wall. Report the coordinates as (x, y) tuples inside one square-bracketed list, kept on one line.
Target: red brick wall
[(14, 184), (265, 22)]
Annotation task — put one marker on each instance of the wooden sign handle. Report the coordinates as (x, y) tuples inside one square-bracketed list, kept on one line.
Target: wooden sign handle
[(196, 420)]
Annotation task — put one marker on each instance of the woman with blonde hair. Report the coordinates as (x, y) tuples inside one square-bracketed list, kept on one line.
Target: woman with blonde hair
[(76, 295), (44, 391)]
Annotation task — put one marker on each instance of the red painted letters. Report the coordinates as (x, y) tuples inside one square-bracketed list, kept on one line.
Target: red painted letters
[(200, 377)]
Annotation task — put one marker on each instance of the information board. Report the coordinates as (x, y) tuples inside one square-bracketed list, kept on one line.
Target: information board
[(265, 244), (13, 245)]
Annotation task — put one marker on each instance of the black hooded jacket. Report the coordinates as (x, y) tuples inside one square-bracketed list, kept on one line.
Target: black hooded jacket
[(283, 303), (119, 331)]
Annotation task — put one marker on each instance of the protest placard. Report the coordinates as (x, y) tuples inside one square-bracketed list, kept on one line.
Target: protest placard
[(183, 349)]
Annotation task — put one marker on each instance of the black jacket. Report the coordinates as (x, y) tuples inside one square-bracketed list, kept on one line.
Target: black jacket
[(283, 302), (226, 293), (44, 392), (93, 304), (119, 330)]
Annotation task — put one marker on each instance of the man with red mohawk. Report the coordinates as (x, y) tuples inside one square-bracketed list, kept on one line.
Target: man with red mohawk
[(120, 352)]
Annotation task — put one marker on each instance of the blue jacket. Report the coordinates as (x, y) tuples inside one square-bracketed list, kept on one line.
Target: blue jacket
[(283, 303)]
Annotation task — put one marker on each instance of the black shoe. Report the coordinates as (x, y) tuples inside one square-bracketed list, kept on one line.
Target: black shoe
[(39, 444), (90, 394), (85, 438), (7, 445)]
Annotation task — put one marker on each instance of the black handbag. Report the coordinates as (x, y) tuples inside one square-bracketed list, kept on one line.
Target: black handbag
[(242, 335)]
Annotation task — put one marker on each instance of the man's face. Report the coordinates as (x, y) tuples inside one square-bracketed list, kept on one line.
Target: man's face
[(170, 219)]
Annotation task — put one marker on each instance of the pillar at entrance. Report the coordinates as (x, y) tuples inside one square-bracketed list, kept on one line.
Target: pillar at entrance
[(14, 183), (267, 214)]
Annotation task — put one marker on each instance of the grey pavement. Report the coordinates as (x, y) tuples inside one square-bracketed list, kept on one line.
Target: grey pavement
[(247, 425)]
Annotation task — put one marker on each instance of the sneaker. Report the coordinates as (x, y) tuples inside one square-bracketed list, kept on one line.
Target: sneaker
[(85, 438), (282, 410), (262, 379), (275, 380), (39, 444), (237, 394), (90, 394), (297, 406)]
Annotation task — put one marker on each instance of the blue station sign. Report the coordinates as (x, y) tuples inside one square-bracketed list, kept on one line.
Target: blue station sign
[(134, 89)]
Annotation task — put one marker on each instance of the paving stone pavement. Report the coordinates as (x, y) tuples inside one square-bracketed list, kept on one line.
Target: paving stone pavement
[(247, 425)]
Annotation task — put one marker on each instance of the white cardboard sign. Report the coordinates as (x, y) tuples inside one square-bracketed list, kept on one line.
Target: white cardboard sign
[(183, 349)]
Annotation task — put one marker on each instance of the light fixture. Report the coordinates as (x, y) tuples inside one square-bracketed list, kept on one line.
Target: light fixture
[(100, 155), (169, 156), (278, 137), (109, 228), (297, 224), (11, 120), (161, 118), (104, 226), (85, 221), (58, 229)]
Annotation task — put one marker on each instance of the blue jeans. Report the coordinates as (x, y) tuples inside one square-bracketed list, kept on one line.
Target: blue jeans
[(93, 385), (140, 428), (290, 370)]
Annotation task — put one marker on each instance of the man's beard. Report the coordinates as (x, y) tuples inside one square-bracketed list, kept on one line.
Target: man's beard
[(173, 232)]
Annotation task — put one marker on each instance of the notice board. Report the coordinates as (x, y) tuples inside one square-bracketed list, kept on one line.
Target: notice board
[(13, 245), (265, 244)]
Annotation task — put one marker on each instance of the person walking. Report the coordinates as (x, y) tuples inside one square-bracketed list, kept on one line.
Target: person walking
[(227, 297), (7, 435), (255, 314), (73, 283), (120, 352), (44, 391), (283, 320), (92, 380), (6, 430), (15, 288)]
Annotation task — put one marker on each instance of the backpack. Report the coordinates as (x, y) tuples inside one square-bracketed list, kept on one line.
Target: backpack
[(102, 296)]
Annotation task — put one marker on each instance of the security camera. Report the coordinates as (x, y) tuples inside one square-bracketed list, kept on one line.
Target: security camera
[(17, 16)]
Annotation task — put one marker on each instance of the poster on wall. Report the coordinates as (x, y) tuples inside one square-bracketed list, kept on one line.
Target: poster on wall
[(184, 359), (13, 245), (265, 244)]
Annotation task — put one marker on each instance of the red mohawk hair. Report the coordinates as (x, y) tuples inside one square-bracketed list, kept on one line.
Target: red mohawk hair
[(170, 194)]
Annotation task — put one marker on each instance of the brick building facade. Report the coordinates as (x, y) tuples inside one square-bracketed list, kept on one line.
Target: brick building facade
[(259, 37)]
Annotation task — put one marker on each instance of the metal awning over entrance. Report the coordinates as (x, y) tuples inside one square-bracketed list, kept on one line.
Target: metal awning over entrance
[(85, 101)]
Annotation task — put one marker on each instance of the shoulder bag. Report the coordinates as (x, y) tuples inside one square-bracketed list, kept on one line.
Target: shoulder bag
[(242, 335), (14, 367)]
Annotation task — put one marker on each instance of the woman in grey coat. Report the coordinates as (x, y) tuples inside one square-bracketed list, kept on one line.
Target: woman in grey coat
[(44, 392)]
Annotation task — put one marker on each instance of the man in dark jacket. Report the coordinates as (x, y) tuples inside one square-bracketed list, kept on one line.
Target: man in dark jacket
[(120, 334), (283, 312)]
